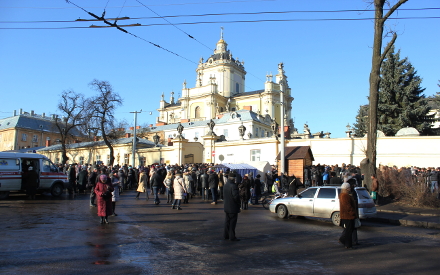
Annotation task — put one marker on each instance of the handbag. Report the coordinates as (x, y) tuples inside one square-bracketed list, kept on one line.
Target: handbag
[(357, 223), (373, 195)]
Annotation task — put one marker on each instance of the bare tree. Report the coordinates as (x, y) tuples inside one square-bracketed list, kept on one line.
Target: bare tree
[(377, 59), (103, 106), (72, 107)]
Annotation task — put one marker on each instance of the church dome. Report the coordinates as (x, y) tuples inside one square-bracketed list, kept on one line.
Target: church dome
[(408, 131)]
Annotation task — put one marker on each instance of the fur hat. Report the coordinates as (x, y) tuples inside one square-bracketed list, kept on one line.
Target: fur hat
[(345, 185)]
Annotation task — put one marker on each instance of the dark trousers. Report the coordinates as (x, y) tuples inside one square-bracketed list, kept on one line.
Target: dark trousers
[(92, 196), (214, 194), (156, 194), (221, 193), (230, 224), (347, 235)]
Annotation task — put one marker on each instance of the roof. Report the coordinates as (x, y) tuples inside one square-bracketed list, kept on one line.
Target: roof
[(242, 115), (145, 142), (35, 122), (297, 152), (248, 93)]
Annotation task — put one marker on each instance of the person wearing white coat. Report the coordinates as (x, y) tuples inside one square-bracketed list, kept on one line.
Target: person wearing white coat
[(179, 190), (115, 193)]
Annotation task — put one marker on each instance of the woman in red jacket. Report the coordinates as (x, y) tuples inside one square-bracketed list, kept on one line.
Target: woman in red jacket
[(103, 191), (347, 212)]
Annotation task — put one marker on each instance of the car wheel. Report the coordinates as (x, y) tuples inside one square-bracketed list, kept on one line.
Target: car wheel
[(336, 218), (282, 212), (56, 190), (4, 195)]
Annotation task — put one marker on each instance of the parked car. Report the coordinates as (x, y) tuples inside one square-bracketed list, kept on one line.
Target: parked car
[(321, 202)]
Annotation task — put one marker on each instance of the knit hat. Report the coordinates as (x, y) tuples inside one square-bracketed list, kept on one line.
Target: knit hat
[(345, 185)]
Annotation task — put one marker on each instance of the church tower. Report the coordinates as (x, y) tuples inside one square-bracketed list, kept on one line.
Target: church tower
[(228, 72)]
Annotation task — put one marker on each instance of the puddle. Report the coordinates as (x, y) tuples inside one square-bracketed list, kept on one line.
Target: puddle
[(101, 262)]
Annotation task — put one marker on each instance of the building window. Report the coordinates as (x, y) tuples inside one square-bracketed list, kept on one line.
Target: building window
[(34, 138), (108, 159), (126, 158), (81, 160), (98, 159), (225, 132), (23, 137), (255, 155), (197, 112), (256, 132), (262, 132), (237, 88)]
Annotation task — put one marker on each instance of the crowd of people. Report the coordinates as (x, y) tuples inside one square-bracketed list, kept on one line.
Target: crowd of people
[(181, 183)]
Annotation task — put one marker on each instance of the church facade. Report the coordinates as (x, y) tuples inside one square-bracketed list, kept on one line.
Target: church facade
[(220, 88)]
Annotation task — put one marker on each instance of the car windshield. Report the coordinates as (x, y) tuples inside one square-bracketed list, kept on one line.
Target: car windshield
[(363, 194)]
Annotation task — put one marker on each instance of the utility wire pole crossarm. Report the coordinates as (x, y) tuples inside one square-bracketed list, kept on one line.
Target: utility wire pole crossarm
[(133, 153)]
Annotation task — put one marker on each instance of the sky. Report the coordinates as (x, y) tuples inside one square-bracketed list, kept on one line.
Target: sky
[(44, 51)]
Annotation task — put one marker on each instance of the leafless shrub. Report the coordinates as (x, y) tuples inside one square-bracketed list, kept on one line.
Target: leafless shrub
[(400, 185)]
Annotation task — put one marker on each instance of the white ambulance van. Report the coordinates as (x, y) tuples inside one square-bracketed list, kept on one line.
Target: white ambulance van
[(14, 165)]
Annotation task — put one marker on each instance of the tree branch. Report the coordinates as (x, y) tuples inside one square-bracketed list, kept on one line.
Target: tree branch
[(393, 9)]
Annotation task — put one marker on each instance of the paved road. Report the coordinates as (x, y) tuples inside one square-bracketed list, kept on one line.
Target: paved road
[(63, 236)]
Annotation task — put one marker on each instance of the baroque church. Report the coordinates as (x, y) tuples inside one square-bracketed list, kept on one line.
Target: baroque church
[(219, 91)]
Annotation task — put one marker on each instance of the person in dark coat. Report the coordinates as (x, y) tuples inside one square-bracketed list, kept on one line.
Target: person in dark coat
[(231, 207), (204, 185), (103, 191), (213, 185), (257, 187), (71, 174), (245, 192), (156, 184), (31, 181), (293, 188), (82, 179), (92, 182)]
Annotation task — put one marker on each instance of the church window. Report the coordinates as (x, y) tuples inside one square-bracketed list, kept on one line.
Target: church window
[(237, 88), (197, 112), (221, 110), (81, 160), (255, 155), (225, 132), (256, 132)]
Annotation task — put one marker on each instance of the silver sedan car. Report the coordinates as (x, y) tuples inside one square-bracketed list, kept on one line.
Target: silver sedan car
[(321, 202)]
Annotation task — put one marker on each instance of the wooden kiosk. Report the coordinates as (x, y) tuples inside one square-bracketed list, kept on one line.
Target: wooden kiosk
[(297, 158)]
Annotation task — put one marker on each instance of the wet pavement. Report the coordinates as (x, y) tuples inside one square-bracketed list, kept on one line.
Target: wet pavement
[(63, 236)]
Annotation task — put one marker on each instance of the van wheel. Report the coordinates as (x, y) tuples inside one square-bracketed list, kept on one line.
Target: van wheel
[(336, 218), (282, 212), (4, 195), (57, 190)]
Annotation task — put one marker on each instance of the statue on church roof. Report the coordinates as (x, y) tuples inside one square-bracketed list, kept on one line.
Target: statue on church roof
[(241, 130), (306, 129), (180, 129)]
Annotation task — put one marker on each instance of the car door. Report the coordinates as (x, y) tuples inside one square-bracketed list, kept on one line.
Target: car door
[(325, 202), (304, 203)]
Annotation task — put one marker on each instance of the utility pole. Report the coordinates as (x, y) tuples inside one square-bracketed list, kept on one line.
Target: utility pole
[(133, 153), (282, 153)]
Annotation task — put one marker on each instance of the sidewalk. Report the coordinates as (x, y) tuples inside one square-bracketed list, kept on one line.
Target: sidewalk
[(394, 213)]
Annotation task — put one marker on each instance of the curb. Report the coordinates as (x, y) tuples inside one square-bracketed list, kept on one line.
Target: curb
[(408, 213), (405, 222)]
